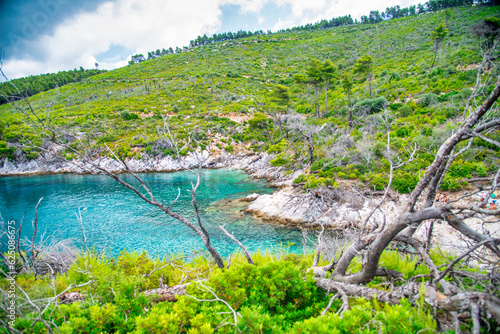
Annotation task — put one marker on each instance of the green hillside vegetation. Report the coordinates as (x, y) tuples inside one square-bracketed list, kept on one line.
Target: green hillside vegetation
[(272, 296), (326, 101), (246, 91), (23, 87)]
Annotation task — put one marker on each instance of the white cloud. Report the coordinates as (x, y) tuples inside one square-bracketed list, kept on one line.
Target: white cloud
[(145, 25), (310, 11), (247, 6), (283, 24), (140, 25), (299, 6)]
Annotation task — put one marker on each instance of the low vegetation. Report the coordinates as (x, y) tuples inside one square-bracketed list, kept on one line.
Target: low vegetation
[(407, 103), (254, 92), (276, 295)]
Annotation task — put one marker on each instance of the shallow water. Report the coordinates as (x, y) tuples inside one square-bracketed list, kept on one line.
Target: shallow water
[(114, 218)]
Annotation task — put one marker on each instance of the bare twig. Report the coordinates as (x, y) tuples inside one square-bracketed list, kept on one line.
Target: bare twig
[(205, 288), (232, 237)]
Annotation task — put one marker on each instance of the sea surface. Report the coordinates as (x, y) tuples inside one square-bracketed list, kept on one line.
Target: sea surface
[(115, 219)]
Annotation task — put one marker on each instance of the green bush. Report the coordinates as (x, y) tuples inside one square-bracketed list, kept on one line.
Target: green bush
[(32, 154), (6, 151), (403, 132), (428, 100), (371, 106), (300, 179), (481, 169), (404, 182), (378, 181), (278, 287), (231, 74), (319, 164), (426, 131), (278, 147), (280, 160), (405, 111), (126, 115), (451, 183), (313, 182), (462, 169), (372, 317)]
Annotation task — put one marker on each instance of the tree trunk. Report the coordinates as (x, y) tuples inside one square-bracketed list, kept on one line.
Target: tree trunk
[(350, 109), (326, 98), (370, 85), (435, 55), (316, 107), (310, 143)]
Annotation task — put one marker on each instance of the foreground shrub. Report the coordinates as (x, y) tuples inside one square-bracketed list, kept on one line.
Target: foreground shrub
[(371, 317), (276, 295)]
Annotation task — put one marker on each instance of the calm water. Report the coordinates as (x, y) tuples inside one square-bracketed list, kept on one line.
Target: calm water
[(116, 219)]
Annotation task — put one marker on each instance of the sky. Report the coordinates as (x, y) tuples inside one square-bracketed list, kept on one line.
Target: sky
[(44, 36)]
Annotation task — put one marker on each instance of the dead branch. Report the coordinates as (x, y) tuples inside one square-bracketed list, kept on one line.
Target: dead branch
[(217, 299), (320, 246), (35, 228), (80, 222), (329, 304), (232, 237), (164, 266), (458, 258), (168, 294)]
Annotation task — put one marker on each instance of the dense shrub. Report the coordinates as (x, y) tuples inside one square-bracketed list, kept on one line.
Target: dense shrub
[(451, 183), (372, 317), (278, 147), (405, 111), (371, 106), (126, 115), (280, 160), (404, 182), (378, 181), (403, 131), (428, 100), (276, 295), (6, 151), (300, 179)]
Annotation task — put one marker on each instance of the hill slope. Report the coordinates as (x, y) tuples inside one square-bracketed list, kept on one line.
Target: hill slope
[(230, 89)]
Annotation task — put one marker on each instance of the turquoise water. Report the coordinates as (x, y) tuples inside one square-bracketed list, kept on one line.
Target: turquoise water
[(115, 219)]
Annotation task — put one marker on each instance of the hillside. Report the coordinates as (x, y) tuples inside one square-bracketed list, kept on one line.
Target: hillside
[(228, 94), (346, 111)]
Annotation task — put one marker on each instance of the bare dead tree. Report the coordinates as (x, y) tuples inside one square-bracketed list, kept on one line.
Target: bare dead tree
[(308, 133), (420, 208), (39, 257), (87, 163)]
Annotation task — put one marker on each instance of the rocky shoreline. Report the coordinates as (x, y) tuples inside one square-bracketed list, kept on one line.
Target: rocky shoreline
[(288, 205), (343, 209)]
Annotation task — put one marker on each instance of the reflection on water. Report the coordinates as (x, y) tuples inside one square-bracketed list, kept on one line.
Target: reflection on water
[(115, 218)]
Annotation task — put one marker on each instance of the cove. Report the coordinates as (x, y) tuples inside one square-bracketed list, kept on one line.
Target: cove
[(114, 218)]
